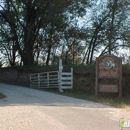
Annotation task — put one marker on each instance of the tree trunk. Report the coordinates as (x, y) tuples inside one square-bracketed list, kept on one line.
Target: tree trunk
[(48, 55), (112, 24)]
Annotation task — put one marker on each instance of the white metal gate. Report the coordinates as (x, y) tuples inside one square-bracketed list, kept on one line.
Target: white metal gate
[(53, 79), (44, 80)]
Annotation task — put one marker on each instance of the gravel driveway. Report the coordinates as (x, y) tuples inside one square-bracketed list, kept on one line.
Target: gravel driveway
[(29, 109)]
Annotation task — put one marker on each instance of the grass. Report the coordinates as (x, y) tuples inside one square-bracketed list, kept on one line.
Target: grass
[(2, 96), (51, 67), (109, 99), (80, 93)]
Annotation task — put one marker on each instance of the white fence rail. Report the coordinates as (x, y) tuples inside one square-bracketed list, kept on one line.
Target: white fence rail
[(66, 80), (53, 79), (44, 80)]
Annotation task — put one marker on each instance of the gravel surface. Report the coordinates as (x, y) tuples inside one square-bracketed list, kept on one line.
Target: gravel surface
[(29, 109)]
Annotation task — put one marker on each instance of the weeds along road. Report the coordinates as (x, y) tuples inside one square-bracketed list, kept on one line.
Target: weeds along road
[(29, 109)]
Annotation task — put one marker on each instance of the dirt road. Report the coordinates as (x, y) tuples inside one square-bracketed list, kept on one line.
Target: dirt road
[(29, 109)]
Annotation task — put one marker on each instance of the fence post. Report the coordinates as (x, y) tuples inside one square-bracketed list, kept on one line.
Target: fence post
[(38, 80), (72, 77), (59, 75), (48, 80), (30, 81)]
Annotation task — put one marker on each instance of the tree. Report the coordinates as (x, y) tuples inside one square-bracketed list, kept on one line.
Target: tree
[(27, 18), (105, 33), (47, 29)]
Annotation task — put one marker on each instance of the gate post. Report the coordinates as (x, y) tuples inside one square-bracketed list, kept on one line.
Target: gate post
[(39, 80), (72, 77), (60, 72)]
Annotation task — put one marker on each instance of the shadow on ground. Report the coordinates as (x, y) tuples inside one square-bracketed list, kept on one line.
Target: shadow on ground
[(17, 95)]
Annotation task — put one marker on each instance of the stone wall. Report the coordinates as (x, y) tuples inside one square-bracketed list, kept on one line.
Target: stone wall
[(13, 75), (82, 80)]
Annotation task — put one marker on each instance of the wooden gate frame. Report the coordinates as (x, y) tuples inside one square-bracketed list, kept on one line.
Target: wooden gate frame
[(108, 67)]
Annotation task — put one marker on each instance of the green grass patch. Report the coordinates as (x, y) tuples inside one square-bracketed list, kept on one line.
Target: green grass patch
[(110, 99), (2, 96), (51, 67)]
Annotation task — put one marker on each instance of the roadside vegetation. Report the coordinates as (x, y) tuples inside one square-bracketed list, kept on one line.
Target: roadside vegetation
[(84, 85), (110, 99), (2, 96), (34, 34), (39, 32), (104, 98)]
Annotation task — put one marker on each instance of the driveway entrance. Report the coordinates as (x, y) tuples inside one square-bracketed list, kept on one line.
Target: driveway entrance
[(29, 109)]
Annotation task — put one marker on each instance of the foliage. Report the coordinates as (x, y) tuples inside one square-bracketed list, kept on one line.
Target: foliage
[(39, 32)]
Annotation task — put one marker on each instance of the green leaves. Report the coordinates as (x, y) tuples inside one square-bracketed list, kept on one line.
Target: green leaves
[(40, 28)]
